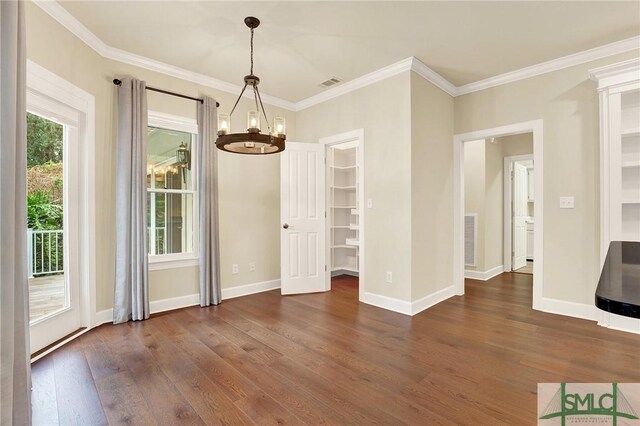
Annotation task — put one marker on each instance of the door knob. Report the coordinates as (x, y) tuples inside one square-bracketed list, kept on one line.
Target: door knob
[(285, 226)]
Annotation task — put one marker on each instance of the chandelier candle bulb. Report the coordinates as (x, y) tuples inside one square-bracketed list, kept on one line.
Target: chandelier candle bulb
[(279, 126), (224, 124), (253, 122)]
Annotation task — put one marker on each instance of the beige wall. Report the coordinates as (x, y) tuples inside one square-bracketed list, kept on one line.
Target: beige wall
[(391, 112), (431, 188), (249, 187), (474, 194), (567, 101), (484, 192), (383, 111), (493, 223)]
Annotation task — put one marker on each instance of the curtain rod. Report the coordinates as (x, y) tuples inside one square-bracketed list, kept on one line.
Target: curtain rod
[(153, 89)]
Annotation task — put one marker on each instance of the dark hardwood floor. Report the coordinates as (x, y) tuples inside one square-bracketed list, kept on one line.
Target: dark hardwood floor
[(324, 358)]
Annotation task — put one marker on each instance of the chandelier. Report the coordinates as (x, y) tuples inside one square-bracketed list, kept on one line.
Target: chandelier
[(252, 141)]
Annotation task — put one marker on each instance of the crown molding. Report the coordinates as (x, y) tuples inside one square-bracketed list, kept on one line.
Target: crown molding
[(585, 56), (409, 64), (433, 77), (357, 83), (60, 14), (67, 20), (616, 74)]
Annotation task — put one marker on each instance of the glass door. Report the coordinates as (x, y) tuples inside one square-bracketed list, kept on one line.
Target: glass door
[(51, 242)]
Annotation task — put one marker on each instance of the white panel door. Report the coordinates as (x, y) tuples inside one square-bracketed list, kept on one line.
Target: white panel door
[(519, 234), (302, 212)]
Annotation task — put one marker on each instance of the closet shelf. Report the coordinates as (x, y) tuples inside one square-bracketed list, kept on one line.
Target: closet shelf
[(630, 132), (343, 185), (635, 163), (345, 268), (352, 242), (630, 201)]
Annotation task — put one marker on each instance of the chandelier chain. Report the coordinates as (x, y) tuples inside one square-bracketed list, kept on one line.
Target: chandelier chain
[(251, 51)]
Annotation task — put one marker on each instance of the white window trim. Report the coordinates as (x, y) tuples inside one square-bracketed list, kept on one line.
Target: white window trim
[(179, 260)]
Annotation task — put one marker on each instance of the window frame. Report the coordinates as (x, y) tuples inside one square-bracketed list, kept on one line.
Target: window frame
[(187, 125)]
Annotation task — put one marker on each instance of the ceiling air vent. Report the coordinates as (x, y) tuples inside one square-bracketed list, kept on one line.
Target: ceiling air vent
[(331, 82)]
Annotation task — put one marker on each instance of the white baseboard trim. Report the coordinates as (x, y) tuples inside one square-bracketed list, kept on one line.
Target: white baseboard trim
[(245, 290), (590, 312), (169, 304), (388, 303), (64, 342), (570, 309), (432, 299), (103, 317), (618, 322), (405, 307), (484, 276), (162, 305), (155, 306)]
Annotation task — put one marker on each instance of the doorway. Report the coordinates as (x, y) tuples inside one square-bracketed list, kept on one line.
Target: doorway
[(54, 292), (345, 208), (322, 214), (519, 213), (534, 127), (61, 209)]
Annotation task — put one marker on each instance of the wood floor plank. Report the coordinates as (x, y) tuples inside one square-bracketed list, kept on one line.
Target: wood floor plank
[(211, 403), (102, 361), (326, 359), (76, 393), (123, 401), (43, 399)]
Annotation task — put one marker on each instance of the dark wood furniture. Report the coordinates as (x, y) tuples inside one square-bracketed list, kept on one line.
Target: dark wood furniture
[(618, 290)]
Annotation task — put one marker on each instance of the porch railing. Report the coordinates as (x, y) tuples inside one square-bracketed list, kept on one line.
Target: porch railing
[(45, 252)]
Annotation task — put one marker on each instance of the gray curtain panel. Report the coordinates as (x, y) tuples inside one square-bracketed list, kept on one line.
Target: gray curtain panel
[(15, 368), (131, 286), (210, 293)]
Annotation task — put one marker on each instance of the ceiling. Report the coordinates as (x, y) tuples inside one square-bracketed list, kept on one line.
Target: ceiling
[(300, 44)]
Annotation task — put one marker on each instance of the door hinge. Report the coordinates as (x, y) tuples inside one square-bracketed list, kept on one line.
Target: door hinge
[(325, 268)]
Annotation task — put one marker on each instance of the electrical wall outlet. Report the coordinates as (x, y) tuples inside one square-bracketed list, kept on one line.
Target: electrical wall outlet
[(234, 268), (252, 266), (566, 202), (389, 277)]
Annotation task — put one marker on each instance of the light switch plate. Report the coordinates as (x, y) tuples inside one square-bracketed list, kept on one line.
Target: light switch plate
[(567, 202), (369, 203)]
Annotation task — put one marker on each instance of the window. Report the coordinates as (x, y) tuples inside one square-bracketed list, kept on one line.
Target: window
[(172, 209)]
